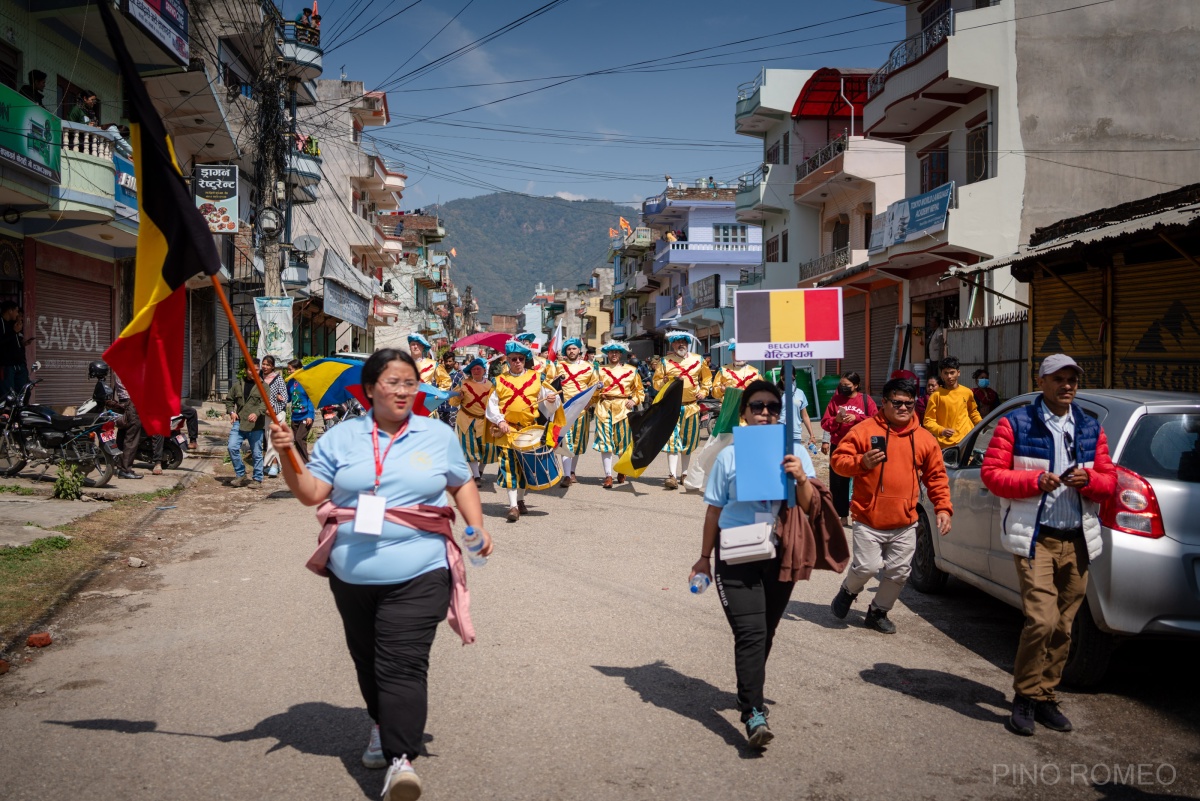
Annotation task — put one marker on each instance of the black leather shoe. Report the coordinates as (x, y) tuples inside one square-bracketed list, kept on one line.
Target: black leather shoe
[(1049, 715), (842, 603), (877, 619), (128, 474), (1021, 720)]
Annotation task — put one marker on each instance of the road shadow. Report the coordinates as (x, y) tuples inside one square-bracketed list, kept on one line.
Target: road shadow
[(956, 693), (501, 510), (314, 728), (815, 613), (662, 685)]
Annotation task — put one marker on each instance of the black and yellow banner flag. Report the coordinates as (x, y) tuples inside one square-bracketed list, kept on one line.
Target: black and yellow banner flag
[(651, 429), (173, 245)]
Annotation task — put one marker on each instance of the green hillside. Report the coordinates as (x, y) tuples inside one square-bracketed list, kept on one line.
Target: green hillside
[(507, 243)]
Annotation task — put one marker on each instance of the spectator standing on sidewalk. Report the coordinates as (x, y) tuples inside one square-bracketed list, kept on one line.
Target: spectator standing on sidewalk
[(846, 409), (249, 415), (1048, 463), (14, 372), (950, 413), (889, 456), (986, 398), (303, 412), (277, 392), (129, 428)]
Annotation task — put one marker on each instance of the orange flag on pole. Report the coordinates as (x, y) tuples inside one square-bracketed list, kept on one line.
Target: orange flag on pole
[(624, 224), (454, 253), (613, 232)]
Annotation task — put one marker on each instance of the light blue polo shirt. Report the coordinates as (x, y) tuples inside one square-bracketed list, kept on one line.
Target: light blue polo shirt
[(722, 493), (418, 469)]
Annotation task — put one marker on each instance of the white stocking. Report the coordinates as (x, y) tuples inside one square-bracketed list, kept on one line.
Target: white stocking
[(521, 494), (687, 458), (512, 498), (568, 465), (673, 464), (475, 469), (607, 460)]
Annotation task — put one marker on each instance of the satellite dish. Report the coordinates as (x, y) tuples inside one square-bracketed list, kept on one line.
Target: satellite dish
[(307, 243)]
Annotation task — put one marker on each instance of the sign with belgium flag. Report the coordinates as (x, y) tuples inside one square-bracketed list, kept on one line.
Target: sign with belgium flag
[(788, 324)]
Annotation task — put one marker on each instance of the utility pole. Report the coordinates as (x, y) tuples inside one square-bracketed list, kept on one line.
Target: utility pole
[(270, 157)]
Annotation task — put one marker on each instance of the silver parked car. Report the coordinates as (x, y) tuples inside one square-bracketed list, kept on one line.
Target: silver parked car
[(1147, 581)]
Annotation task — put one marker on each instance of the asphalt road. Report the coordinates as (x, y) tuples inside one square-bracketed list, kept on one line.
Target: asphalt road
[(219, 672)]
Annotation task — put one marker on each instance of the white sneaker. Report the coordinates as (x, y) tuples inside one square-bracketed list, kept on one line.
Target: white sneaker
[(402, 782), (373, 757)]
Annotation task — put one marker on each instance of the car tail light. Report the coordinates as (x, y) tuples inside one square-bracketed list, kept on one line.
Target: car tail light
[(1134, 508)]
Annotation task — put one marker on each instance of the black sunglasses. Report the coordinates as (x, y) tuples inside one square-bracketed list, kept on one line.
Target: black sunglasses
[(899, 404), (772, 407)]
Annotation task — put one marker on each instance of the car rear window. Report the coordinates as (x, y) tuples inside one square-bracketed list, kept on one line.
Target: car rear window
[(1165, 446)]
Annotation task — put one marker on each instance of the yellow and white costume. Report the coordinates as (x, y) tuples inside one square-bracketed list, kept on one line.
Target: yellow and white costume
[(619, 384)]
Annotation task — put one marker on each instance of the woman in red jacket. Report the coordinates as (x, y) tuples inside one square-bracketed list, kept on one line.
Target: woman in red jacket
[(846, 409)]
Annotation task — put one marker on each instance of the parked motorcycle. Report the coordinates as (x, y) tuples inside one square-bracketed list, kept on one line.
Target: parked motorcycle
[(173, 443), (710, 410), (332, 415), (32, 434)]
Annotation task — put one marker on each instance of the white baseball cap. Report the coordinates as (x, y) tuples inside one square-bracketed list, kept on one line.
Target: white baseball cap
[(1055, 362)]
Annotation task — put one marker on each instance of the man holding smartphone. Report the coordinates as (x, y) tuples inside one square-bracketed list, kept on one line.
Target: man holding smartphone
[(1048, 463), (889, 456)]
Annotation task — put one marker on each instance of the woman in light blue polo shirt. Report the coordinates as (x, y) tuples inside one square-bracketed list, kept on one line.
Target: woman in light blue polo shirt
[(391, 583), (751, 593)]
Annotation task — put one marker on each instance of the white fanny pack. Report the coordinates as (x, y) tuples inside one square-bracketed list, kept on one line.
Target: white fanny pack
[(750, 543)]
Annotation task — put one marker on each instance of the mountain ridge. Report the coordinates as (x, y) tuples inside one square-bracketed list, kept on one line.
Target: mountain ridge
[(508, 242)]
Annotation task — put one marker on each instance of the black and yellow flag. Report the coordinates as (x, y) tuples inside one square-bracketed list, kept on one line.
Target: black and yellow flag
[(173, 245), (651, 429)]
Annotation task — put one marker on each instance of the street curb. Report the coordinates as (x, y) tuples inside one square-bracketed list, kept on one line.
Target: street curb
[(82, 580)]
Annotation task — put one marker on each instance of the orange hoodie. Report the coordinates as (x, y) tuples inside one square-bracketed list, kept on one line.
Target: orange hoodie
[(887, 496)]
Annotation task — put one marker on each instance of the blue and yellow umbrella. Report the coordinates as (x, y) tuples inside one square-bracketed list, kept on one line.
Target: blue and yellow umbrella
[(333, 381)]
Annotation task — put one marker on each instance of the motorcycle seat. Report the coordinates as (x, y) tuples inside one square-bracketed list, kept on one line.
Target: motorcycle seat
[(62, 422)]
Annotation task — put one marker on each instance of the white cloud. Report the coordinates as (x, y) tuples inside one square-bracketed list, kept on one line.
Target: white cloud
[(570, 196), (529, 187)]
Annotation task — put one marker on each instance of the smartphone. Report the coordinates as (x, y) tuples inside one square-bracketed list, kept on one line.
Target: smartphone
[(879, 444), (1063, 476)]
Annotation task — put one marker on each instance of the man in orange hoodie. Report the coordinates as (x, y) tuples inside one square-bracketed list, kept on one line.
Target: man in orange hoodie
[(887, 455)]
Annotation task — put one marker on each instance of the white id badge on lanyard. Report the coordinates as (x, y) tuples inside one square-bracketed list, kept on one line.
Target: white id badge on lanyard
[(368, 517)]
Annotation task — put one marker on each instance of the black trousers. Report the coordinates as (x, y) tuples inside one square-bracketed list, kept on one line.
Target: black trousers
[(129, 430), (753, 598), (390, 629), (300, 431), (839, 487), (192, 421)]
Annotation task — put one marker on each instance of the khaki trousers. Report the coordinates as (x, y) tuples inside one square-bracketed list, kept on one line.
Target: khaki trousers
[(887, 552), (1053, 585)]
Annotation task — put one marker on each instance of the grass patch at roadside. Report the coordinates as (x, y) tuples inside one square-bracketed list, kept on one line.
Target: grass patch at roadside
[(33, 576), (15, 489)]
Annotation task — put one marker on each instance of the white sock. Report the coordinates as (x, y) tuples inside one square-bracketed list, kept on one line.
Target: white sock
[(512, 498), (607, 460), (521, 494), (568, 465), (475, 469), (687, 459), (673, 464)]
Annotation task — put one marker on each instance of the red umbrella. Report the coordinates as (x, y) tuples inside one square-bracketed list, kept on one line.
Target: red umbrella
[(487, 339)]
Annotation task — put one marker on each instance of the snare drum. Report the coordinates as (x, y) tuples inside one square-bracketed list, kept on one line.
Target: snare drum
[(528, 438), (541, 467)]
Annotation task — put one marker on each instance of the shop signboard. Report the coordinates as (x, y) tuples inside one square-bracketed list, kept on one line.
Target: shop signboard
[(215, 187), (30, 136), (166, 21), (125, 190), (704, 292), (345, 305), (911, 218)]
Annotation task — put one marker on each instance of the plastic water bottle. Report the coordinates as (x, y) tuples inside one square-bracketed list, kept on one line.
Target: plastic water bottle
[(699, 583), (474, 542), (813, 448)]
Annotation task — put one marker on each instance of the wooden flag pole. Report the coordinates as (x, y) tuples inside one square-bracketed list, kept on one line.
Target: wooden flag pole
[(250, 363)]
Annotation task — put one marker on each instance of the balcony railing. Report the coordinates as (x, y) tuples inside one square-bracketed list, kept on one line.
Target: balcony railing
[(640, 237), (751, 180), (87, 140), (911, 49), (823, 264), (300, 33), (822, 157), (750, 87)]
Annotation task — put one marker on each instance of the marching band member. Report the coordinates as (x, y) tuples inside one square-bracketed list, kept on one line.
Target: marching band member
[(513, 405), (427, 368), (539, 364), (735, 376), (577, 374), (471, 422), (689, 368), (620, 391)]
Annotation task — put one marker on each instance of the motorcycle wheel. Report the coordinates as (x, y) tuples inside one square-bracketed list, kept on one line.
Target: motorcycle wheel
[(12, 460), (172, 455), (105, 467)]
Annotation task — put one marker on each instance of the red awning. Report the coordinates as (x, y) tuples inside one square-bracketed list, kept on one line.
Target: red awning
[(821, 97)]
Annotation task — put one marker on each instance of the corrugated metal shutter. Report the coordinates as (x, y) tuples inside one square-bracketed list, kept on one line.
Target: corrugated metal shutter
[(74, 326), (223, 333), (1063, 323), (1154, 329), (885, 314), (187, 347), (855, 327)]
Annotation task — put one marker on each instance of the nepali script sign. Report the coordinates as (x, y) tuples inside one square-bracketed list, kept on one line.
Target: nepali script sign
[(911, 218), (788, 324), (215, 187)]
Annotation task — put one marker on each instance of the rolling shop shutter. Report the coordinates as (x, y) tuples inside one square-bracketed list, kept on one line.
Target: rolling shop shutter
[(74, 326), (1154, 332), (885, 314), (855, 328), (1063, 323)]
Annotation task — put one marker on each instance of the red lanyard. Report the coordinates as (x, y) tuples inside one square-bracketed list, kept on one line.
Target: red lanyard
[(400, 432)]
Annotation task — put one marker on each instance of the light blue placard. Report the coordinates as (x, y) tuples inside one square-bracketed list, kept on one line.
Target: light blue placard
[(758, 463)]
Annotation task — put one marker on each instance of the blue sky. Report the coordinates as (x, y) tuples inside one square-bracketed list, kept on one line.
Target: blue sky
[(637, 125)]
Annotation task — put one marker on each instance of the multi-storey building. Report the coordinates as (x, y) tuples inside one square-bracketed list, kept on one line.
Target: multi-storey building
[(418, 286)]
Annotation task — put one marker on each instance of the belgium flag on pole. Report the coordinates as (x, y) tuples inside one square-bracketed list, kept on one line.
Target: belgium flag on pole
[(173, 245)]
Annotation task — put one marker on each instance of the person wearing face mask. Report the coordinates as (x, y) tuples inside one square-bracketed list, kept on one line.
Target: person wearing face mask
[(620, 392), (986, 398), (577, 375), (689, 368), (846, 409), (738, 375)]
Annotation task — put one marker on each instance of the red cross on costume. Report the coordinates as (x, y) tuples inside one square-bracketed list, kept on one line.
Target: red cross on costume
[(684, 372), (479, 400), (427, 371), (519, 392), (742, 383), (616, 382), (574, 377)]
